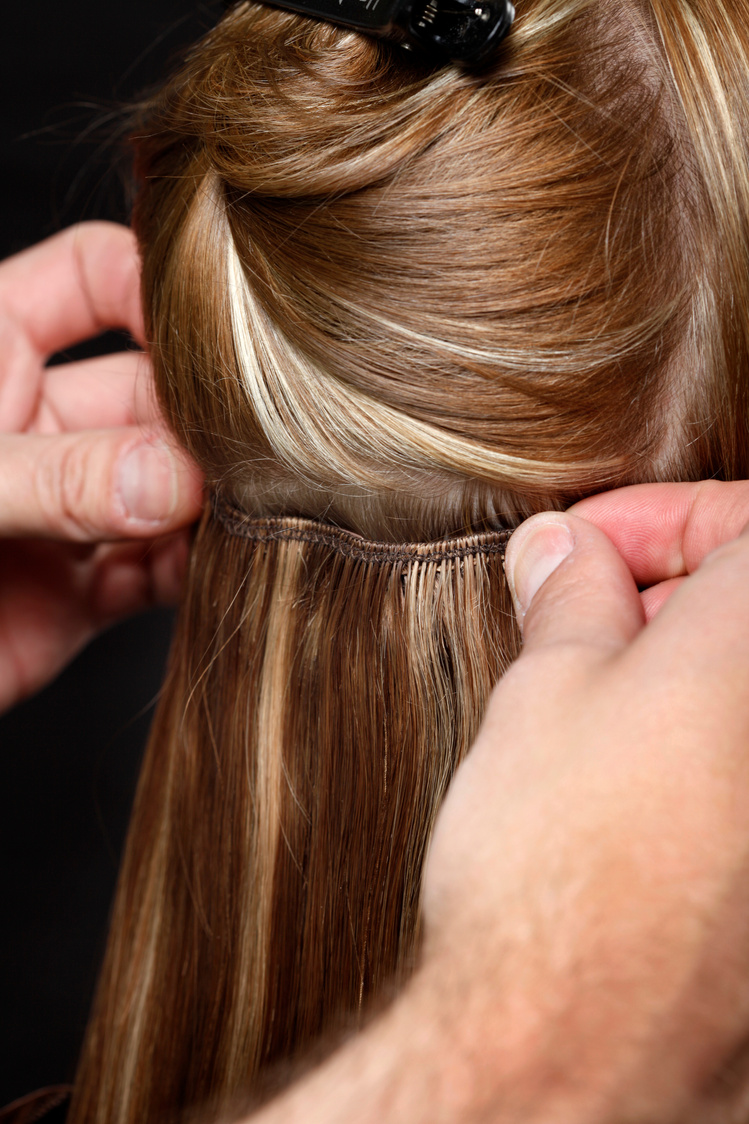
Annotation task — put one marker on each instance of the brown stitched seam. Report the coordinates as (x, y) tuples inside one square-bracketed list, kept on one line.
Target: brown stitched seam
[(344, 542)]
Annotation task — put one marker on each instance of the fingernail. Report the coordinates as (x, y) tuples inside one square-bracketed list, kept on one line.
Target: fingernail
[(533, 554), (147, 483)]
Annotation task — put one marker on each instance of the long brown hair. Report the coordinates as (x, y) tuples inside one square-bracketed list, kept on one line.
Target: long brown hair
[(393, 309)]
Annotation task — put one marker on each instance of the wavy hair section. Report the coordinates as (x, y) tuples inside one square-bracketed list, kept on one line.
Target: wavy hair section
[(320, 428), (466, 298)]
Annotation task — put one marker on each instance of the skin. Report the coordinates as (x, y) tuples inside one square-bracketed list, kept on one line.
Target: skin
[(94, 501), (586, 926)]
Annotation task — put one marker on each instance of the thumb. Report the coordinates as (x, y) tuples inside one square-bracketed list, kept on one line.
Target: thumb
[(570, 585), (94, 485)]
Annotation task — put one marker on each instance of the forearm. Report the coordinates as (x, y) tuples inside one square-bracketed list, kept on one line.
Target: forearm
[(572, 1020), (423, 1063), (416, 1065)]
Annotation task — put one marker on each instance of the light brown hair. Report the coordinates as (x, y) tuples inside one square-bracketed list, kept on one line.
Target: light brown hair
[(393, 309)]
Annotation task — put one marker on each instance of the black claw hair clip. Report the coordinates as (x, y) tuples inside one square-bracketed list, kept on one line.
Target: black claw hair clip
[(446, 30)]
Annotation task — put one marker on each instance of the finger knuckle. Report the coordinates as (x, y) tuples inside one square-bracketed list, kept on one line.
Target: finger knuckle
[(62, 490)]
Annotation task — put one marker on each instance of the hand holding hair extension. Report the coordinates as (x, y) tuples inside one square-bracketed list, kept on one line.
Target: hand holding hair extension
[(90, 503), (663, 532), (586, 916)]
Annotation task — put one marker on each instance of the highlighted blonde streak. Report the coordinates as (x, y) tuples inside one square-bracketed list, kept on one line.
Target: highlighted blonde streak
[(318, 426)]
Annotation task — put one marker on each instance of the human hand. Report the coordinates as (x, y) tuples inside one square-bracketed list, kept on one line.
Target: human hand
[(586, 901), (93, 500), (664, 531)]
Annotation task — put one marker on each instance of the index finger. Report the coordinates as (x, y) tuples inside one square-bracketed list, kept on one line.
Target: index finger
[(664, 531), (74, 286)]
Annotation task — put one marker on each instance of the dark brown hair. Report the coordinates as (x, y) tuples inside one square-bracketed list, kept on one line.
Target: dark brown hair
[(392, 310)]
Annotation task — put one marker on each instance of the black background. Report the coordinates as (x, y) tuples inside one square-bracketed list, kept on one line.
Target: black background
[(69, 757)]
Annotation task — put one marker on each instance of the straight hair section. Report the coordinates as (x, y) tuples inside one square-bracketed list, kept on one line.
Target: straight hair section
[(321, 692)]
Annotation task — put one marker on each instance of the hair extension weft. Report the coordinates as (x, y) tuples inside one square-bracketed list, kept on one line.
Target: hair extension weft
[(315, 708)]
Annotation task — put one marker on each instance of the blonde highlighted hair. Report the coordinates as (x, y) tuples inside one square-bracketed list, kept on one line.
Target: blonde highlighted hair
[(392, 311)]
